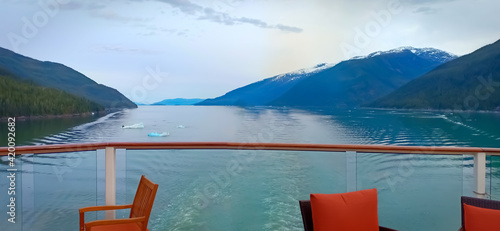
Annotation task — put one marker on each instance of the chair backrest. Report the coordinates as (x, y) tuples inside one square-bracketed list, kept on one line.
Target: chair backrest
[(143, 201), (483, 203), (307, 219)]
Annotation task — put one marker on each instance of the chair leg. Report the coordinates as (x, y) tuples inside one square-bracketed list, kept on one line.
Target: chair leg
[(82, 221)]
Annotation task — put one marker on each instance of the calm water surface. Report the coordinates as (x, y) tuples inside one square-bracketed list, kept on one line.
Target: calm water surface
[(253, 190)]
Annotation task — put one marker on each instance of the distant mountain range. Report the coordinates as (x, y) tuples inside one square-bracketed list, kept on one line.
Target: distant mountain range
[(59, 76), (178, 101), (471, 82), (407, 78), (347, 84)]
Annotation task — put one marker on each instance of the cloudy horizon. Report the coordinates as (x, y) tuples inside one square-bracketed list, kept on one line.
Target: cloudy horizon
[(160, 49)]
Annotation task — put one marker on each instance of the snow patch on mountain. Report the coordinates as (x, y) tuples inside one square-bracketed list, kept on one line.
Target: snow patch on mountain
[(290, 76), (426, 53)]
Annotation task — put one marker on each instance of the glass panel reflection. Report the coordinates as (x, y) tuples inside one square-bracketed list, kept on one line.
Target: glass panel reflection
[(62, 183), (414, 190), (233, 190), (11, 182)]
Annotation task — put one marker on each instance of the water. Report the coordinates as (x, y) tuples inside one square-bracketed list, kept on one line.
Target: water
[(254, 190), (266, 124)]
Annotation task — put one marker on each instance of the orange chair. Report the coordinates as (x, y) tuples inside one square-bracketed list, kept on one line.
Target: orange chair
[(492, 206), (140, 210)]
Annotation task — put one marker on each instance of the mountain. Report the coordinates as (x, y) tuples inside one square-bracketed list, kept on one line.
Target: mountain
[(471, 82), (363, 79), (40, 101), (348, 83), (179, 101), (59, 76), (264, 91)]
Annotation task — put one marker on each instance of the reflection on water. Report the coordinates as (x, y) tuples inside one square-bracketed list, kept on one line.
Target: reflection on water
[(258, 190), (29, 130), (269, 124)]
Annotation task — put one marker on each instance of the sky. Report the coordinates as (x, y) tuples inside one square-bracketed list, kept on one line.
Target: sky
[(151, 50)]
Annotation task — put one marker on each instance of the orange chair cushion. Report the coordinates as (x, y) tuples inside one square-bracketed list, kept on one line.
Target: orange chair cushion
[(119, 227), (477, 218), (353, 211)]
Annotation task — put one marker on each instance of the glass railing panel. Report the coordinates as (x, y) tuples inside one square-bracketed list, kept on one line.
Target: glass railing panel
[(468, 176), (11, 182), (59, 185), (415, 192), (233, 190), (494, 169)]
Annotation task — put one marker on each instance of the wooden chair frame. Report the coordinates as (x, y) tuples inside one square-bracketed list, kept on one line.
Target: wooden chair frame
[(140, 209)]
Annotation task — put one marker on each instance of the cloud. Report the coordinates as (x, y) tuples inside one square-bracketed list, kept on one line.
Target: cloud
[(224, 18), (154, 30), (120, 49), (225, 5), (97, 9), (421, 2), (109, 15), (71, 5), (288, 28), (96, 6), (209, 14), (426, 10), (215, 16), (184, 6), (63, 5), (254, 22)]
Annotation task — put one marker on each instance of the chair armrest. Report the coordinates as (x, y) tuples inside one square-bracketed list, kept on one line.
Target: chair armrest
[(91, 224), (381, 228), (104, 207), (98, 208)]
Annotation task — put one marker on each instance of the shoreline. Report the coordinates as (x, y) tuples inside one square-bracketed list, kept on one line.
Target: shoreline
[(432, 110), (41, 117), (349, 108)]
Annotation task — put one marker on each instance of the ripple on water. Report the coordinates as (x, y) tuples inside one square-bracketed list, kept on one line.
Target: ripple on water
[(264, 194)]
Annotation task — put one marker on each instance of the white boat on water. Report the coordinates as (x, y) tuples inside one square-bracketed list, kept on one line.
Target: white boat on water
[(133, 126)]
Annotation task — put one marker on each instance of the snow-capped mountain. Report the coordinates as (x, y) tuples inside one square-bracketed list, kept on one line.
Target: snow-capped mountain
[(432, 54), (348, 83)]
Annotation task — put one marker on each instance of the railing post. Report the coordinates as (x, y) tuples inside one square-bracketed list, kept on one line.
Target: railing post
[(110, 169), (480, 174), (351, 178)]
